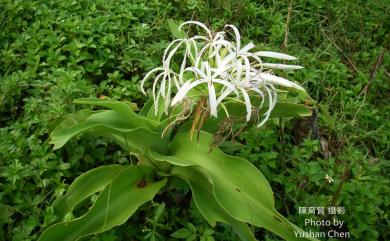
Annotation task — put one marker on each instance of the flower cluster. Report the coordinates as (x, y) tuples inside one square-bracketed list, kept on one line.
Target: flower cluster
[(224, 68)]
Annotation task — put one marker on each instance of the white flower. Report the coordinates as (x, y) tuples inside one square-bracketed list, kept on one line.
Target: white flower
[(205, 75), (224, 68), (329, 178)]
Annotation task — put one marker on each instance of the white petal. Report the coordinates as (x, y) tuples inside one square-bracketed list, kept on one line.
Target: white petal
[(217, 59), (197, 71), (212, 100), (220, 70), (155, 95), (169, 47), (190, 54), (207, 68), (198, 37), (247, 69), (224, 94), (247, 104), (237, 33), (219, 36), (199, 24), (168, 95), (225, 83), (200, 54), (177, 85), (279, 81), (247, 48), (275, 55), (183, 65), (254, 56), (181, 93), (166, 62), (162, 86), (187, 86), (280, 66), (271, 105), (275, 93), (147, 77), (220, 43), (257, 90)]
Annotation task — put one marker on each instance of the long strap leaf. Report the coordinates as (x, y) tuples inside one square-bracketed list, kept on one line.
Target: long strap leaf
[(113, 124), (202, 191), (85, 185), (238, 186), (116, 203)]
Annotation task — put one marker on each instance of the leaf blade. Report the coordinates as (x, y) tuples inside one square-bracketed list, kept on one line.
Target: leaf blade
[(239, 187), (85, 185), (116, 203)]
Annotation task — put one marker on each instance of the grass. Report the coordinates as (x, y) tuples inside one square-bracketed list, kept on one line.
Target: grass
[(54, 52)]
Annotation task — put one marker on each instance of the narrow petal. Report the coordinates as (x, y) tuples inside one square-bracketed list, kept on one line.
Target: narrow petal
[(200, 25), (238, 37), (280, 66), (183, 64), (224, 94), (177, 85), (255, 57), (275, 55), (181, 93), (212, 100), (247, 104), (168, 94), (169, 47), (155, 95), (147, 77), (200, 54), (162, 86), (198, 37), (225, 83), (197, 71), (186, 87), (275, 95), (279, 81), (271, 105), (247, 69), (191, 55), (257, 90), (167, 61), (247, 47), (238, 71)]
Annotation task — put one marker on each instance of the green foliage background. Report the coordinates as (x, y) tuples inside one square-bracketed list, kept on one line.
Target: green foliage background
[(52, 52)]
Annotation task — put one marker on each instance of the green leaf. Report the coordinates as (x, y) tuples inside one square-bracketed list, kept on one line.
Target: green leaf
[(202, 191), (287, 110), (152, 115), (238, 186), (328, 118), (159, 211), (85, 185), (112, 124), (281, 109), (182, 233), (139, 140), (72, 127), (191, 238), (116, 203), (174, 27), (191, 227), (122, 108), (145, 109)]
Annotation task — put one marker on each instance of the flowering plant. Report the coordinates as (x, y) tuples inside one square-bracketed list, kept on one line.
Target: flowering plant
[(223, 67), (216, 78)]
